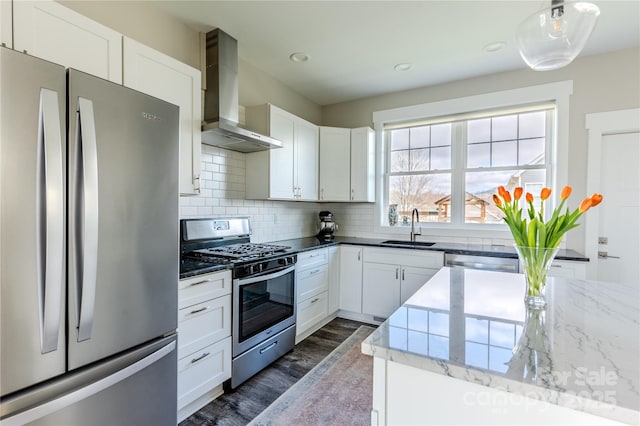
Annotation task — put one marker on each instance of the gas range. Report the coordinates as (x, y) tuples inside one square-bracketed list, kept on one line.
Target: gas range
[(209, 242)]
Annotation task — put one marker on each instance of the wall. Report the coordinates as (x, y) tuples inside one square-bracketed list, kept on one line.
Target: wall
[(601, 83), (222, 181)]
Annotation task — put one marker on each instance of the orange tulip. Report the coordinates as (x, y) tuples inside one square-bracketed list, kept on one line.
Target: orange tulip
[(566, 191), (517, 193), (501, 191), (529, 197), (507, 197), (586, 204), (545, 193), (496, 200), (596, 199)]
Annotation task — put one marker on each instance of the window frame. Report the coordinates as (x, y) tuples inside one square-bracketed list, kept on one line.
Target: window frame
[(557, 93)]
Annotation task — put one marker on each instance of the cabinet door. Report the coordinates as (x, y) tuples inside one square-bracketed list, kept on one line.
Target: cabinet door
[(306, 167), (335, 164), (6, 24), (351, 278), (164, 77), (334, 279), (380, 289), (363, 164), (50, 31), (412, 279), (281, 160)]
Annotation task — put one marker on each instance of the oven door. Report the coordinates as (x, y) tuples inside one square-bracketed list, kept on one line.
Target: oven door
[(263, 305)]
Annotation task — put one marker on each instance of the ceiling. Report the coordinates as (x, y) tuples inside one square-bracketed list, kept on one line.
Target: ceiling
[(354, 45)]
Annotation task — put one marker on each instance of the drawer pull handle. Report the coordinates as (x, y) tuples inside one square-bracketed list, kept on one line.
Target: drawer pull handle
[(314, 272), (315, 300), (204, 355), (199, 310), (200, 282), (271, 346)]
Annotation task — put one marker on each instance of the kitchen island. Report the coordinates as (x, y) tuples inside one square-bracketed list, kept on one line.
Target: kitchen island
[(465, 350)]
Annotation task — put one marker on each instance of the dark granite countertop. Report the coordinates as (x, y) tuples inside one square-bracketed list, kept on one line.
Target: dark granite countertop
[(312, 243), (189, 268)]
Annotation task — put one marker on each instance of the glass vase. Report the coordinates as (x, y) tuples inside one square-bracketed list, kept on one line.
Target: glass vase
[(535, 262), (393, 214)]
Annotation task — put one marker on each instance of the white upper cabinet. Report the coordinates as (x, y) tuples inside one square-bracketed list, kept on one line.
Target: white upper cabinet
[(335, 163), (363, 172), (50, 31), (166, 78), (287, 173), (6, 24), (347, 161)]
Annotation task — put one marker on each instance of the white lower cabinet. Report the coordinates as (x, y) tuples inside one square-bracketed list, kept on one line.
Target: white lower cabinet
[(568, 269), (312, 291), (391, 276), (204, 339), (311, 312), (351, 278)]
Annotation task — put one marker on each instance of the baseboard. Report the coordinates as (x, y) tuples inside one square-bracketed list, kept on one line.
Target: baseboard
[(355, 316), (200, 402)]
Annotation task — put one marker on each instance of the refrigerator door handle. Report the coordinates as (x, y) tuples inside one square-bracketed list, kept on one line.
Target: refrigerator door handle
[(78, 395), (87, 225), (50, 225)]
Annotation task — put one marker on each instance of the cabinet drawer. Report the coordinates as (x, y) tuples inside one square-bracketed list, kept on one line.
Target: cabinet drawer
[(567, 269), (312, 281), (310, 259), (203, 287), (415, 258), (203, 370), (311, 311), (203, 324)]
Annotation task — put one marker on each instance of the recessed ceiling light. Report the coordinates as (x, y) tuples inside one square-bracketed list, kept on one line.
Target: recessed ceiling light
[(402, 67), (494, 47), (299, 57)]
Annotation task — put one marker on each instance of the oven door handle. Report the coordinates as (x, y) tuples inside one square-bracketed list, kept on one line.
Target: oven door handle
[(268, 276)]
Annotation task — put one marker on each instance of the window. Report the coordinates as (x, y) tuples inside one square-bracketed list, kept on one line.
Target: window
[(449, 167)]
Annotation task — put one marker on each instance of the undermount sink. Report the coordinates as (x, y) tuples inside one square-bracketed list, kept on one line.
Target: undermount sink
[(406, 243)]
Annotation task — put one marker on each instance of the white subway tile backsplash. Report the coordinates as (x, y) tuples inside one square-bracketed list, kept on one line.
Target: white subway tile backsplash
[(223, 194)]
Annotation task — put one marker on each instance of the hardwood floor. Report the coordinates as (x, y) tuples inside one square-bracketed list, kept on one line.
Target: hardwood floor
[(239, 407)]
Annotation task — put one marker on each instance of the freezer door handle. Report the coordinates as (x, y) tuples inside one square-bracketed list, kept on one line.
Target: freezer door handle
[(50, 225), (78, 395), (87, 225)]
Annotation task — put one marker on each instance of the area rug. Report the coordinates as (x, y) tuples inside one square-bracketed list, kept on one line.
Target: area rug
[(337, 391)]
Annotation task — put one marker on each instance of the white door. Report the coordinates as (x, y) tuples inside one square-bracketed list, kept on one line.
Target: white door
[(306, 165), (380, 289), (335, 164), (412, 280), (6, 24), (281, 127), (351, 278), (613, 227), (166, 78), (50, 31)]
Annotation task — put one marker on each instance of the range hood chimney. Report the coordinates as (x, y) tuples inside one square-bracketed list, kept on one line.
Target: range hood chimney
[(220, 127)]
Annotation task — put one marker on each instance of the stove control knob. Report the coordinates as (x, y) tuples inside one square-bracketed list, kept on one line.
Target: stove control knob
[(249, 270)]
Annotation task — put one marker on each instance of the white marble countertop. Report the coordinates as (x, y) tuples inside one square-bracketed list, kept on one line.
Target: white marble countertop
[(582, 352)]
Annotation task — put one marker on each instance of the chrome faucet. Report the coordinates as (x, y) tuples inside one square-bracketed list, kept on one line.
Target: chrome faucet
[(415, 214)]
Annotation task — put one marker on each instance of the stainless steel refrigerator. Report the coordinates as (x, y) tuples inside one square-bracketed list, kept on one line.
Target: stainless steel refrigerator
[(88, 249)]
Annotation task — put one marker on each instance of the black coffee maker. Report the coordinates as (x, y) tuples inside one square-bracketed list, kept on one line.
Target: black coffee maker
[(327, 226)]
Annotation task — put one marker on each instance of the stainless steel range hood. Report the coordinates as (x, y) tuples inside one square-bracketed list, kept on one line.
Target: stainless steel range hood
[(220, 127)]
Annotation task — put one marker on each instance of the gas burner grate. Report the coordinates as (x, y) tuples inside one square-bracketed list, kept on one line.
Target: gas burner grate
[(239, 251)]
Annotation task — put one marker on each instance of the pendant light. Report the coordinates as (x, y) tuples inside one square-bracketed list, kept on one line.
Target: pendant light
[(551, 38)]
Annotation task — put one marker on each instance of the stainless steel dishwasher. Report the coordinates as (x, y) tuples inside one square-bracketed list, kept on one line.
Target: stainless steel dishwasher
[(502, 264)]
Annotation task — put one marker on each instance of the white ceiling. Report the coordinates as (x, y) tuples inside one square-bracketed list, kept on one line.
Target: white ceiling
[(354, 45)]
